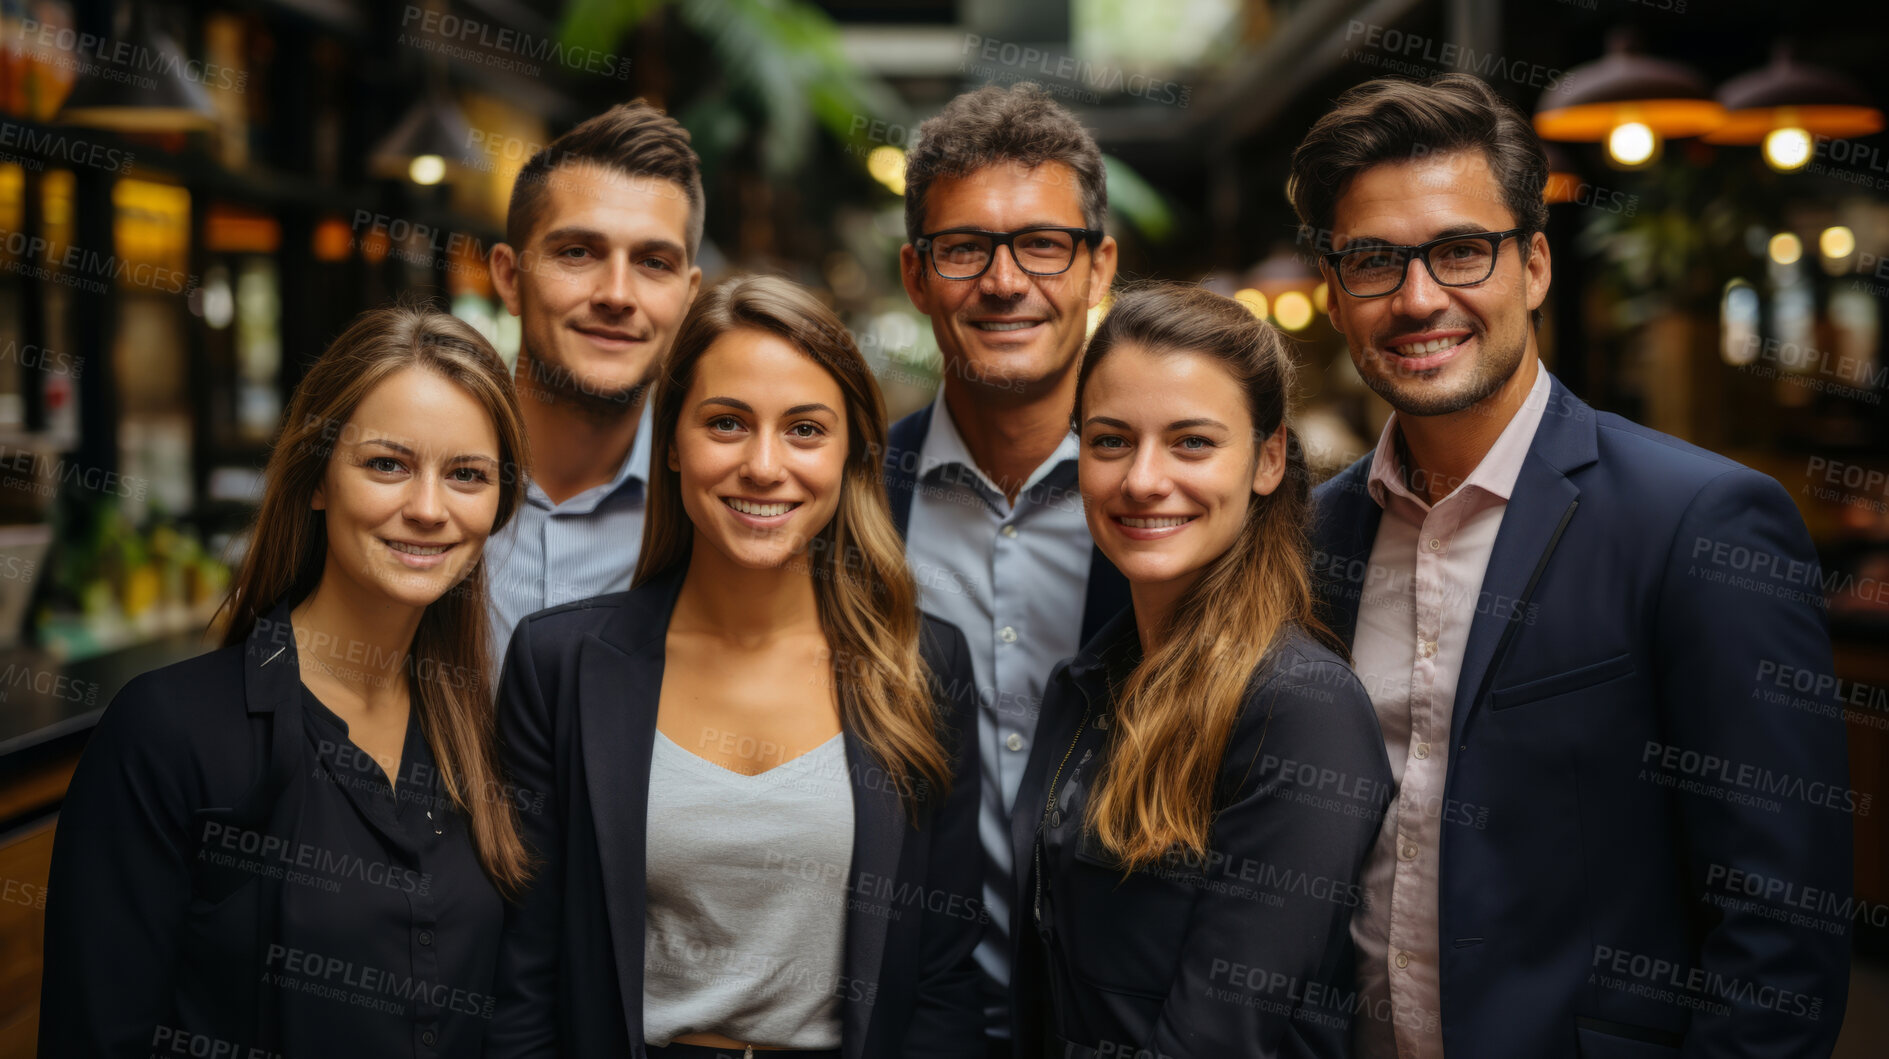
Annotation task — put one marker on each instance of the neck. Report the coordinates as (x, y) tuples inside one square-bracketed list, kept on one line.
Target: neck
[(574, 446), (1154, 605), (1009, 435), (744, 606), (362, 643), (1443, 451)]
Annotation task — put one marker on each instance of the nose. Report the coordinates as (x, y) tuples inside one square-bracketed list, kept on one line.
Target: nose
[(1147, 477), (426, 500), (614, 291), (1004, 279), (762, 464), (1421, 297)]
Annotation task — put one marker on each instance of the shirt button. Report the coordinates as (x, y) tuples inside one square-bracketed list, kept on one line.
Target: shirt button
[(1403, 959), (1422, 750), (1426, 648), (1009, 530), (1408, 851), (1436, 544), (426, 937), (427, 1037), (1014, 741), (1007, 634)]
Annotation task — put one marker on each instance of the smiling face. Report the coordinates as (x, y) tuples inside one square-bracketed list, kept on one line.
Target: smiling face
[(1169, 463), (1428, 349), (760, 449), (1008, 330), (602, 285), (407, 514)]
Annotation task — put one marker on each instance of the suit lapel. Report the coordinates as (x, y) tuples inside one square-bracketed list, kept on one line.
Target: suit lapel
[(1540, 508), (1107, 594), (903, 443), (619, 681), (1344, 532), (879, 828)]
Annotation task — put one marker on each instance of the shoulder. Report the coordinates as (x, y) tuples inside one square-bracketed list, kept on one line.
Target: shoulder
[(180, 700), (1353, 479), (1305, 691), (569, 622), (1663, 471)]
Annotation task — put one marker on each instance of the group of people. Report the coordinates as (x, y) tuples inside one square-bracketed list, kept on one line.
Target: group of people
[(657, 698)]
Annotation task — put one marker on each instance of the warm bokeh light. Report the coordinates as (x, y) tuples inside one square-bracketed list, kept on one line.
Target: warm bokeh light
[(1293, 310), (427, 169), (1253, 300), (886, 163), (1786, 248), (1633, 143), (1837, 243), (1321, 297), (1787, 149)]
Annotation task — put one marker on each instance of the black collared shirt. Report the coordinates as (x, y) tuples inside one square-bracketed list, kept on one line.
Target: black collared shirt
[(390, 928)]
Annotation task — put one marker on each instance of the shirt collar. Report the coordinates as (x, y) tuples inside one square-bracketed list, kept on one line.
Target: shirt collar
[(1495, 474), (944, 446), (634, 469)]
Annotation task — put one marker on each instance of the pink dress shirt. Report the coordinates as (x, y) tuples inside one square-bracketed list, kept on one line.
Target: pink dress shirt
[(1420, 596)]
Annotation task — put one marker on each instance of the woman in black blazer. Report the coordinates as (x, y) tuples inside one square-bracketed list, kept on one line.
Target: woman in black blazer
[(685, 905), (1208, 774), (297, 845)]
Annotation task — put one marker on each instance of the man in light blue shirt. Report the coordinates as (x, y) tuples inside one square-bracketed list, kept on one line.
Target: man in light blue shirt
[(598, 264), (1004, 201)]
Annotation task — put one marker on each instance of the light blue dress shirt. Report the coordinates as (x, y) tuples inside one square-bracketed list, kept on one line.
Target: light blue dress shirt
[(1013, 579), (555, 553)]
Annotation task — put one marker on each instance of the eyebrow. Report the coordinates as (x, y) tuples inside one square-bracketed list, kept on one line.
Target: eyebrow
[(1178, 424), (405, 451), (583, 233), (799, 409), (1466, 228)]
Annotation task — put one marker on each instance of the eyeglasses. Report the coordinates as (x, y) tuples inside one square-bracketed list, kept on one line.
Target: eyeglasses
[(965, 253), (1453, 261)]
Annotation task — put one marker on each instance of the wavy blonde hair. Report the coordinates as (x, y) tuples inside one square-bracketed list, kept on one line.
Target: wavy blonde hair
[(1175, 714)]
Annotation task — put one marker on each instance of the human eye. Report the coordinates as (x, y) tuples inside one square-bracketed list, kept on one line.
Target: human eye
[(724, 423), (469, 474), (1108, 443), (807, 429), (1188, 443), (383, 464)]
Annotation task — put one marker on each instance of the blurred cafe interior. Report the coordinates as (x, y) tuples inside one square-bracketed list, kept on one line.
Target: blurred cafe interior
[(196, 197)]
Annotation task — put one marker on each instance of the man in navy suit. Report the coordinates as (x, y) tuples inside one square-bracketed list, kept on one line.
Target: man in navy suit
[(1005, 196), (1622, 827)]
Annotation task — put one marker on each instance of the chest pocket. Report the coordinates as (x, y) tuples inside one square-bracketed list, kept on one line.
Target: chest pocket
[(1577, 679), (1125, 928)]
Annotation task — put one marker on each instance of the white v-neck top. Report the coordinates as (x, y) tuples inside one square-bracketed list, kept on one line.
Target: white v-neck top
[(745, 921)]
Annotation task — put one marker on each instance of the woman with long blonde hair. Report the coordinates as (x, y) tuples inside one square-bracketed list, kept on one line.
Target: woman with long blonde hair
[(1208, 774), (300, 844), (763, 753)]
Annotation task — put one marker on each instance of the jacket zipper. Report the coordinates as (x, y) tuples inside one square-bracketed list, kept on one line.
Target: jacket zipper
[(1049, 805)]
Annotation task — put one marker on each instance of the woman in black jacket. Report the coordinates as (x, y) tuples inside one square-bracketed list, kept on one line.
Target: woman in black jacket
[(297, 845), (1208, 774), (762, 757)]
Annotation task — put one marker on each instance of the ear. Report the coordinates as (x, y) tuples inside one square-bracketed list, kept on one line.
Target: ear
[(1334, 297), (1101, 270), (695, 287), (504, 269), (913, 275), (674, 461), (1271, 468), (319, 502), (1540, 270)]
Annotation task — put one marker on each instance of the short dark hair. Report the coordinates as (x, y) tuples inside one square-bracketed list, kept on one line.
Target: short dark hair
[(993, 124), (1397, 120), (634, 139)]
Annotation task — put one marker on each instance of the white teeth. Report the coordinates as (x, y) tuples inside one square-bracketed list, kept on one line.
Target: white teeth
[(415, 549), (1424, 349), (1003, 325), (748, 507), (1154, 523)]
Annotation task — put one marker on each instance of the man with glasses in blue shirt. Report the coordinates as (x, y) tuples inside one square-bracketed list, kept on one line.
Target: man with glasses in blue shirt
[(1005, 195)]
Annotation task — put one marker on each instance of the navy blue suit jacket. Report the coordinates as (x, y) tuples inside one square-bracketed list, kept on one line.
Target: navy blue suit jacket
[(1107, 591), (1646, 796), (577, 723)]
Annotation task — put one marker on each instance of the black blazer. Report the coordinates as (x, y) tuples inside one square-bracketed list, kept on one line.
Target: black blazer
[(1108, 589), (577, 722), (1247, 953)]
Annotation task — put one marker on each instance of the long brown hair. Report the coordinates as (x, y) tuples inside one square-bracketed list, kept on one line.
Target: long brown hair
[(1175, 713), (289, 546), (868, 601)]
